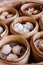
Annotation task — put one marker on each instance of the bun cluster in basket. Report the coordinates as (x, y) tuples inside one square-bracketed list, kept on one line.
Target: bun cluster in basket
[(21, 33)]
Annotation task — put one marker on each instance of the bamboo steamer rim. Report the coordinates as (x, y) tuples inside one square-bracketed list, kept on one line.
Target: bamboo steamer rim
[(21, 19), (11, 38), (41, 24), (31, 5), (35, 37), (9, 9), (5, 32)]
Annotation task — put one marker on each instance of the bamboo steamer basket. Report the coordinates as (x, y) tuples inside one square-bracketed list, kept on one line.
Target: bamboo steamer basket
[(18, 39), (36, 53), (24, 20), (30, 5), (5, 32), (24, 1), (10, 10), (41, 24)]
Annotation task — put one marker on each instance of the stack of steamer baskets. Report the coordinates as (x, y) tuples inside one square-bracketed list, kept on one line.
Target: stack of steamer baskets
[(21, 33)]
